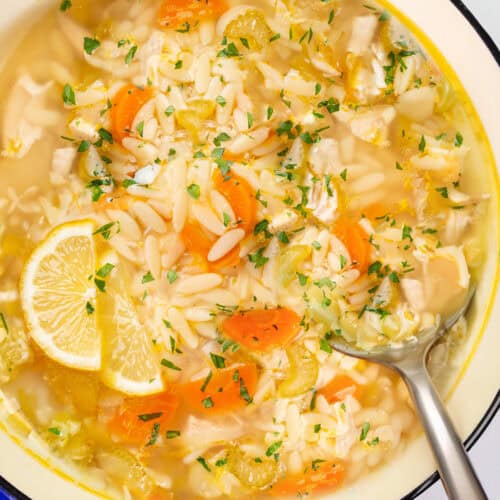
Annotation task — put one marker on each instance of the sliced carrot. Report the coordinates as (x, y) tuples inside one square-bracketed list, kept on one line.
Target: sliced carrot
[(241, 197), (174, 13), (226, 390), (354, 237), (263, 329), (196, 239), (117, 200), (233, 157), (134, 419), (339, 387), (374, 211), (321, 476), (125, 105), (198, 243)]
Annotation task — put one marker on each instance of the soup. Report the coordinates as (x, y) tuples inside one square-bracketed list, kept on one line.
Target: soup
[(200, 196)]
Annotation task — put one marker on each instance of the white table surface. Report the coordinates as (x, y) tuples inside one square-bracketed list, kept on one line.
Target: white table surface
[(485, 453)]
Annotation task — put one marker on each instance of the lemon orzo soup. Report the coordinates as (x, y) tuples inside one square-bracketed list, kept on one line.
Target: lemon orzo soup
[(199, 196)]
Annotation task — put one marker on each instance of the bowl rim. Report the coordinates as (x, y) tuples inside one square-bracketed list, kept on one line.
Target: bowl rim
[(14, 493)]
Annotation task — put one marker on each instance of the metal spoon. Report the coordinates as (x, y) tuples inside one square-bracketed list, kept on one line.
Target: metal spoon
[(409, 360)]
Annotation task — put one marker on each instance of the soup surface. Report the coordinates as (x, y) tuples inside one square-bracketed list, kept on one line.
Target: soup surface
[(199, 196)]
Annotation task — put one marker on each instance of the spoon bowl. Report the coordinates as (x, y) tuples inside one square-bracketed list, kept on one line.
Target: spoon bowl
[(409, 360)]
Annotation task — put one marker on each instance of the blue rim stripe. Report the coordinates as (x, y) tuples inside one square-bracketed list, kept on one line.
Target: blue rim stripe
[(9, 492)]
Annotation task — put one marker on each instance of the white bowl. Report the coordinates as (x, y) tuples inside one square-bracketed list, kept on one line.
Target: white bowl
[(470, 64)]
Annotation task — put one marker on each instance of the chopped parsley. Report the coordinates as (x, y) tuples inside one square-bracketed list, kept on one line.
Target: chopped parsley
[(146, 417), (258, 258), (273, 448), (147, 278), (130, 55), (203, 463), (90, 45), (69, 95), (172, 434), (194, 191), (218, 361), (364, 431), (167, 363), (155, 432)]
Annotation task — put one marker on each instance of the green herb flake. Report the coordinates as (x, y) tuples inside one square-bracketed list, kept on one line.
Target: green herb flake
[(230, 50), (364, 431), (168, 364), (302, 279), (273, 448), (422, 144), (204, 464), (283, 237), (140, 128), (207, 402), (459, 140), (89, 308), (245, 43), (218, 361), (206, 381), (244, 392), (147, 278), (105, 135), (155, 432), (146, 417), (170, 110), (68, 95), (317, 428), (105, 270), (406, 233), (54, 430), (316, 245), (258, 258), (325, 346), (4, 323), (220, 101), (105, 230), (443, 191), (65, 5), (100, 284), (194, 191), (130, 55), (222, 137), (90, 45), (172, 276), (172, 434)]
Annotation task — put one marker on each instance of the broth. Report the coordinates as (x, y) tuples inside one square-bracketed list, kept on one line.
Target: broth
[(259, 179)]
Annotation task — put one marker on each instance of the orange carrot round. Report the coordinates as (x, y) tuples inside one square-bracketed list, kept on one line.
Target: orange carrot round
[(175, 13), (226, 390), (117, 200), (241, 197), (320, 476), (135, 418), (334, 390), (355, 239), (125, 106), (198, 243), (264, 329)]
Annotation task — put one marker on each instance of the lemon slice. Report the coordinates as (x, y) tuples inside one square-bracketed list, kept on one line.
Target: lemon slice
[(56, 290), (130, 364)]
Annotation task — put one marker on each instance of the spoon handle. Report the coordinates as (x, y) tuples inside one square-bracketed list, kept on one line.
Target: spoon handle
[(456, 471)]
